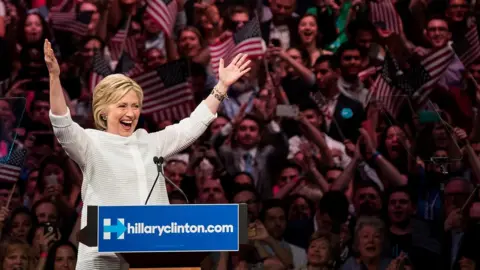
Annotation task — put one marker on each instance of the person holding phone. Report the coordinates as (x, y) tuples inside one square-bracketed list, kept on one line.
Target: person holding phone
[(116, 159)]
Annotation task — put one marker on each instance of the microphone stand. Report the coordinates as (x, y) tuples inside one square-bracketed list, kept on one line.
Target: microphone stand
[(160, 170)]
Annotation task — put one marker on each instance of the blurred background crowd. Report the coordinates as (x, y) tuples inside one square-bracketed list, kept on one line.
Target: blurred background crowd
[(354, 140)]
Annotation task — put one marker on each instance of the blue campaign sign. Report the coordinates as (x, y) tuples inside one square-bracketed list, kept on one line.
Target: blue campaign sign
[(168, 228)]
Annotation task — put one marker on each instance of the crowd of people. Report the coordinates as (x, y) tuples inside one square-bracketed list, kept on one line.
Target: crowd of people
[(335, 172)]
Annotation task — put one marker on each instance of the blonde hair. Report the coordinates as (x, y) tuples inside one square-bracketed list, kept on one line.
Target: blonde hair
[(109, 91), (367, 221), (10, 245)]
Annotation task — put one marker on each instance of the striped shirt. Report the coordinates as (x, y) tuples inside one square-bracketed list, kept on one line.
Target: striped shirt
[(119, 170)]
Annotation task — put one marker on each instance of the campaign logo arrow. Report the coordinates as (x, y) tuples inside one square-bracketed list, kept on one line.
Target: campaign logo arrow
[(119, 229)]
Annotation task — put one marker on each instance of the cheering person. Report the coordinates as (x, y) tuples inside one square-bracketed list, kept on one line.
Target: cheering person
[(116, 160)]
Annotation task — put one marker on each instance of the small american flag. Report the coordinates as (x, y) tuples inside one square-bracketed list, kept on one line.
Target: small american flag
[(167, 91), (11, 166), (116, 42), (164, 13), (384, 12), (387, 88), (246, 40), (426, 73), (101, 69), (468, 49), (76, 23)]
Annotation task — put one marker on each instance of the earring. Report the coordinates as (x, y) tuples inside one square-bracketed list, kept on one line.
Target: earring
[(104, 118)]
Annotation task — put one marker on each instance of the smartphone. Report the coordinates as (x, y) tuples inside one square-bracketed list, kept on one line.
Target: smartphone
[(48, 228), (51, 180), (276, 42), (289, 111)]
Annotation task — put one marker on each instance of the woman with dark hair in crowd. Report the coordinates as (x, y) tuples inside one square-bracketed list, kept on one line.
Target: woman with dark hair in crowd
[(61, 256), (19, 224), (33, 30), (311, 38)]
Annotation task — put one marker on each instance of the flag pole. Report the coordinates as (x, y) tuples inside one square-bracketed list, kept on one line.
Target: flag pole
[(265, 61), (11, 194), (122, 48)]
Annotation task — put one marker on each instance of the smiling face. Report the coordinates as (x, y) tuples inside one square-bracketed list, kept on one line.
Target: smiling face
[(189, 43), (308, 29), (33, 28), (438, 33), (122, 116), (369, 242)]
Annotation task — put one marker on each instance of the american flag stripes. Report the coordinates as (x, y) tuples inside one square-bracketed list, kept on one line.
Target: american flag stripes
[(384, 12), (101, 69), (246, 40), (63, 6), (434, 65), (11, 166), (76, 23), (116, 43), (385, 89), (164, 13), (167, 91), (468, 49)]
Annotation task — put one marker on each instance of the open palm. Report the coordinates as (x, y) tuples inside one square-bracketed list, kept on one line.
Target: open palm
[(236, 69)]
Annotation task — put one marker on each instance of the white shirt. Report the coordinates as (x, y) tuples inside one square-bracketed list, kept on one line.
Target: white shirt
[(356, 92), (328, 111), (119, 170)]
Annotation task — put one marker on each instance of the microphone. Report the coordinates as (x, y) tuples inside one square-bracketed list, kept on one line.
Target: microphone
[(159, 162)]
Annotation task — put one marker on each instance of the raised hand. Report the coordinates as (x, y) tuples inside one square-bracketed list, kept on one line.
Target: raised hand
[(236, 69), (50, 59), (261, 232)]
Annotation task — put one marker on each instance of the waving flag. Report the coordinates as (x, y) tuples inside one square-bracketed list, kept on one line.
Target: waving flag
[(121, 40), (167, 91), (76, 23), (388, 88), (383, 12), (164, 13), (11, 166), (426, 73), (468, 49), (246, 40), (101, 69)]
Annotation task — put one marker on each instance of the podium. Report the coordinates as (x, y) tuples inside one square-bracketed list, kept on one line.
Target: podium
[(165, 236)]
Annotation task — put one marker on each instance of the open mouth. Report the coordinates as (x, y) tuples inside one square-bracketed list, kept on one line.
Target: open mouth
[(126, 124), (308, 33)]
